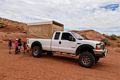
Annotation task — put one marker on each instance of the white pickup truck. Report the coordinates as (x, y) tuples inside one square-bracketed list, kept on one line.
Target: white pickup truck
[(89, 51)]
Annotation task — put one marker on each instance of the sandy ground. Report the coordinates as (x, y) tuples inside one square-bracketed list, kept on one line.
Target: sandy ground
[(25, 67)]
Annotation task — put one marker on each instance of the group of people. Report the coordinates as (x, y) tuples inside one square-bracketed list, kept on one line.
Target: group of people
[(19, 44)]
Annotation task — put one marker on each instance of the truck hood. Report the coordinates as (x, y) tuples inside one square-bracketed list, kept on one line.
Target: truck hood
[(90, 42)]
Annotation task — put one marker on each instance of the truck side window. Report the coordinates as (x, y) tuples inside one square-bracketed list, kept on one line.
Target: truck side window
[(57, 35), (66, 36)]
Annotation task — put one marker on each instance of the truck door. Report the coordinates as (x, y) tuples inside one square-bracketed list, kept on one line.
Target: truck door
[(67, 43), (55, 41)]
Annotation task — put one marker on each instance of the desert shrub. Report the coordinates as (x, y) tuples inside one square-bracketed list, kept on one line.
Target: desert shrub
[(106, 41), (113, 37), (7, 32), (2, 25), (118, 36)]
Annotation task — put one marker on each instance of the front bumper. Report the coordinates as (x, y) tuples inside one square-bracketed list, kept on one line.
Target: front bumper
[(100, 53)]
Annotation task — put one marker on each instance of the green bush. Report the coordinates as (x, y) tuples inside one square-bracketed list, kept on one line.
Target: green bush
[(106, 41)]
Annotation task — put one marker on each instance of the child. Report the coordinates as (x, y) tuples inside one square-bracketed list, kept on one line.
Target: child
[(10, 45), (19, 45), (16, 46), (24, 47)]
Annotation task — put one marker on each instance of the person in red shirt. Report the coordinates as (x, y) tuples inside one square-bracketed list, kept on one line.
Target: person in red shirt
[(24, 47)]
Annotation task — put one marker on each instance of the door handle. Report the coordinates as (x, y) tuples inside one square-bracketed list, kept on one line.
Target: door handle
[(59, 42), (78, 43)]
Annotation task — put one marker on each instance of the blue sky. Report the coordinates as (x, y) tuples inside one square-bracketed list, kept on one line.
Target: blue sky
[(100, 15)]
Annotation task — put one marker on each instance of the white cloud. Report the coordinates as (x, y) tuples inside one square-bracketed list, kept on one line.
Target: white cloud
[(75, 14)]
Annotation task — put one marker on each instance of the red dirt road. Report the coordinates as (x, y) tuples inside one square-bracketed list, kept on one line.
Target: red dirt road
[(25, 67)]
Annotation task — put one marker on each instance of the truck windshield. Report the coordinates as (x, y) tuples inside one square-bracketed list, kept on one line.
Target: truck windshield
[(77, 36)]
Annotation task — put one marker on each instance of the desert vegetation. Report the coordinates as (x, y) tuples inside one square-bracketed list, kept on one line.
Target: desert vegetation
[(2, 25), (106, 41)]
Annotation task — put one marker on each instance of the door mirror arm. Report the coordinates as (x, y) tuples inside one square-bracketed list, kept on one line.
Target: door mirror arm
[(72, 39)]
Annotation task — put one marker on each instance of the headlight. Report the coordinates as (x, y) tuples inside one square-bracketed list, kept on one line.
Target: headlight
[(98, 46)]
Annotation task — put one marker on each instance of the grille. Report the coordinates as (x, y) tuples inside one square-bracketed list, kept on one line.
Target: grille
[(102, 46)]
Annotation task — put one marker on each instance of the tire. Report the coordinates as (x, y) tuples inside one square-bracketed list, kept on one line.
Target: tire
[(97, 59), (37, 51), (86, 59), (49, 53)]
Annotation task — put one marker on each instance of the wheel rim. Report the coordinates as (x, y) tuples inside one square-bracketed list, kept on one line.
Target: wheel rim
[(85, 60), (35, 51)]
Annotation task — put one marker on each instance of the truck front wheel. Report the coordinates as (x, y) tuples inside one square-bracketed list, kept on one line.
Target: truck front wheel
[(86, 59), (37, 51)]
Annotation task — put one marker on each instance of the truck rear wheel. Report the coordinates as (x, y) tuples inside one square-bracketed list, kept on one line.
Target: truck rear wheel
[(37, 51), (86, 59)]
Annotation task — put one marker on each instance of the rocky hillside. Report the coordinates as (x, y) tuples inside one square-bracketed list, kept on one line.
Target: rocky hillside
[(11, 26), (112, 41), (11, 29), (90, 34)]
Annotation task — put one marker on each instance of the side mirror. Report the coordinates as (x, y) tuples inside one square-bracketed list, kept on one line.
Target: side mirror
[(71, 38), (80, 39)]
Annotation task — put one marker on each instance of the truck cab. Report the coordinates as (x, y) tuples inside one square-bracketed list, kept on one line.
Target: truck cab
[(89, 51)]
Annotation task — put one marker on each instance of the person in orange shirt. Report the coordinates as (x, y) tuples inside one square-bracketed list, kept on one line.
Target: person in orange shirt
[(24, 47), (16, 46)]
